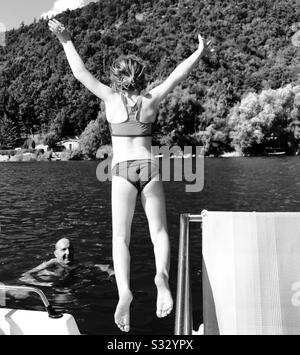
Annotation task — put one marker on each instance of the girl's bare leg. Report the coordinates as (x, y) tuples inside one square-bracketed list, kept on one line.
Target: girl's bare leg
[(153, 201), (123, 204)]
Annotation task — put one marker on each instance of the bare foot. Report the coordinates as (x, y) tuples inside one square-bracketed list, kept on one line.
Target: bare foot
[(122, 313), (164, 302)]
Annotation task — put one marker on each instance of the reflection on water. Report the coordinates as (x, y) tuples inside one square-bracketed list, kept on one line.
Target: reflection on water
[(43, 202)]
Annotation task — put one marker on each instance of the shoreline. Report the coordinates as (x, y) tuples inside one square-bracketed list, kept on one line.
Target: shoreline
[(104, 152), (31, 157)]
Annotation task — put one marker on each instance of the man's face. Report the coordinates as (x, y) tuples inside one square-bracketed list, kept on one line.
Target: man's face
[(64, 252)]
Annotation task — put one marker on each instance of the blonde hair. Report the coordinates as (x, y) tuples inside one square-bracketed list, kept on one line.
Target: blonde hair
[(128, 73)]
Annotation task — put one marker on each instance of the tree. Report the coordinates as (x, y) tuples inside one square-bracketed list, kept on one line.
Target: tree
[(51, 139), (9, 133), (178, 118), (94, 136), (268, 119)]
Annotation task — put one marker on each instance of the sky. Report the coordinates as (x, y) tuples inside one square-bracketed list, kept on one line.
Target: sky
[(13, 12)]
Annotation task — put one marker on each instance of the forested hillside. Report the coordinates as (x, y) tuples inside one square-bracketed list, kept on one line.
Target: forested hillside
[(253, 53)]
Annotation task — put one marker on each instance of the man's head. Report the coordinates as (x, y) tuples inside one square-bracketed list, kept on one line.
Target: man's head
[(64, 252)]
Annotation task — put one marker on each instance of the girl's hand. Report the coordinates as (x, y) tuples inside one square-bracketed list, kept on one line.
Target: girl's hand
[(204, 47), (59, 30)]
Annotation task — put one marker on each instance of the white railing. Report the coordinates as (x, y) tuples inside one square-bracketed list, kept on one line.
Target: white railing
[(51, 312)]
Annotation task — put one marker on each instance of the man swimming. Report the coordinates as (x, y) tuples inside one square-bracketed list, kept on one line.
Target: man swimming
[(60, 267)]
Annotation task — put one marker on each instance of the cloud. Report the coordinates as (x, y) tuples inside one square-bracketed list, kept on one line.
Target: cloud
[(62, 5)]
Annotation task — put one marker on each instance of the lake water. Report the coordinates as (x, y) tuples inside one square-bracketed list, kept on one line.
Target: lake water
[(42, 202)]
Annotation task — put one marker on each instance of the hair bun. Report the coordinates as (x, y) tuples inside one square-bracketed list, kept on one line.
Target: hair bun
[(127, 73)]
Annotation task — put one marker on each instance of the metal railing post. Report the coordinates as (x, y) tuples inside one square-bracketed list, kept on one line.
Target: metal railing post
[(183, 321), (184, 317)]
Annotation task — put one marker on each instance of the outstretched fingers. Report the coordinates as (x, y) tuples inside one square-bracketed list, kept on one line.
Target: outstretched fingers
[(206, 45), (55, 26), (56, 22)]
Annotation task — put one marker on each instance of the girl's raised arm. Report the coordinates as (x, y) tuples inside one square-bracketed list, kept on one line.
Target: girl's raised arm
[(181, 72), (79, 70)]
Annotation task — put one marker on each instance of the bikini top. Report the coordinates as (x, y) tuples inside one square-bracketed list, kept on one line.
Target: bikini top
[(132, 127)]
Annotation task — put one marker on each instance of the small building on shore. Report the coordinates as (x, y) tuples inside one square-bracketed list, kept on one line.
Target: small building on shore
[(42, 147), (70, 144)]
